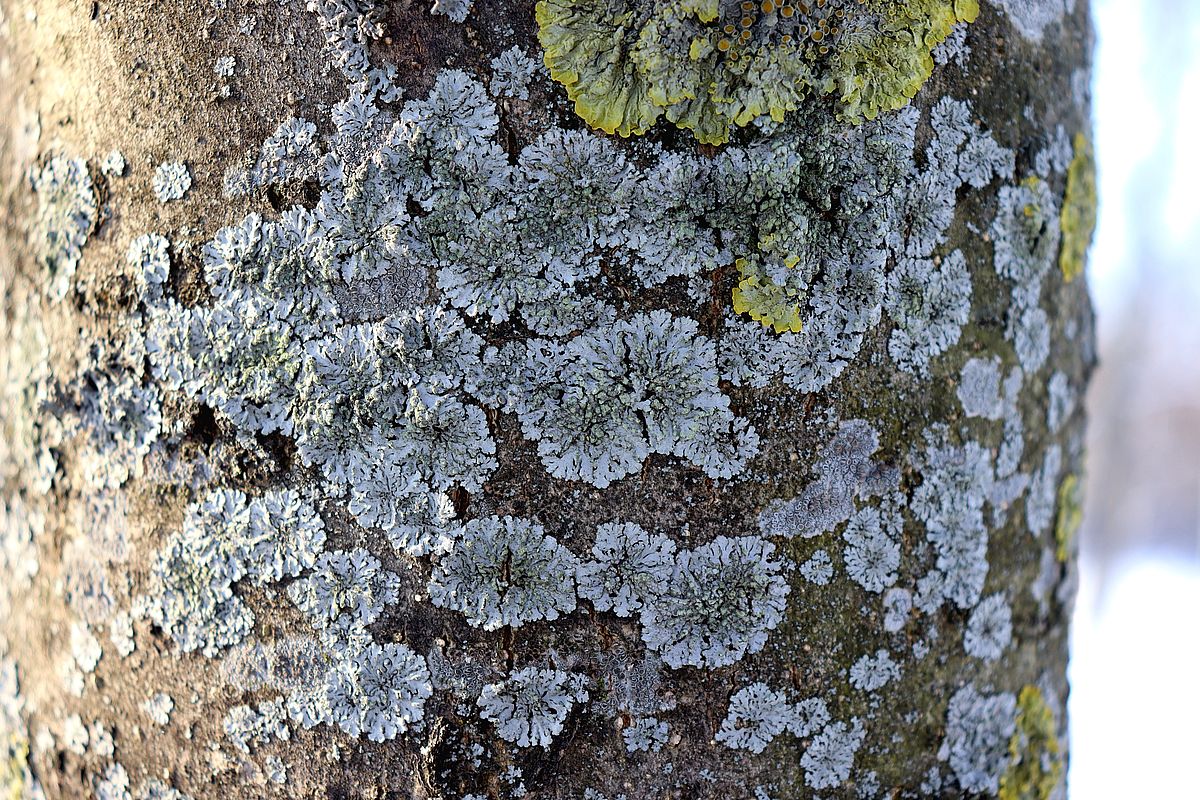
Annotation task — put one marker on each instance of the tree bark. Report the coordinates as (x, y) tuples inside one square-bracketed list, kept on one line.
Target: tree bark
[(647, 424)]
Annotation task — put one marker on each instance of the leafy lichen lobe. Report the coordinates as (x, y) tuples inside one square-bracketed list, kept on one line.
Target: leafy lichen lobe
[(714, 65)]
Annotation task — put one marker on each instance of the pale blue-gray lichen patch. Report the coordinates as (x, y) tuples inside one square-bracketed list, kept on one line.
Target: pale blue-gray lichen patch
[(68, 212)]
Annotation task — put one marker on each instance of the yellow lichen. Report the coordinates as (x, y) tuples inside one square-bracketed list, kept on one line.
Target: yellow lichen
[(765, 301), (711, 67), (1070, 515), (1079, 210), (15, 768), (1035, 766), (883, 68)]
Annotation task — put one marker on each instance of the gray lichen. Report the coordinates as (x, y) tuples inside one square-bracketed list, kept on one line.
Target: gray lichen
[(989, 629), (628, 567), (68, 210), (159, 707), (978, 728), (720, 603), (646, 734), (171, 181), (601, 403), (756, 716), (504, 571), (512, 71), (225, 538), (1026, 235), (829, 758), (872, 552), (818, 568), (530, 706), (956, 485), (872, 673), (846, 471), (456, 10), (379, 692)]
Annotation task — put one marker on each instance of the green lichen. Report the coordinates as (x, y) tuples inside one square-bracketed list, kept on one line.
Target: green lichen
[(1079, 210), (1036, 765), (764, 300), (1070, 515), (713, 65)]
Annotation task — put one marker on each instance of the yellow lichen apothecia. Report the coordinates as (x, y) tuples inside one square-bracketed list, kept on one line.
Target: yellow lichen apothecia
[(712, 65)]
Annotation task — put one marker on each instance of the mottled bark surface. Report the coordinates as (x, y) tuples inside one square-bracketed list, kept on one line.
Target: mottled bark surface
[(878, 540)]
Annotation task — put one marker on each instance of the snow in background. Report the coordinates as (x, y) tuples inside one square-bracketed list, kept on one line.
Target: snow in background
[(1135, 668)]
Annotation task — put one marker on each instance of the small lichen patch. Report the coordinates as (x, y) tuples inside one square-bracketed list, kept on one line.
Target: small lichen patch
[(872, 673), (380, 691), (1079, 210), (67, 212), (114, 164), (957, 484), (722, 600), (171, 181), (930, 300), (830, 757), (846, 471), (603, 401), (159, 708), (989, 629), (628, 567), (646, 734), (1070, 516), (456, 10), (757, 714), (512, 71), (978, 730), (224, 539), (872, 552), (505, 571), (150, 257), (1036, 767), (1026, 235), (766, 301), (530, 707), (1032, 17)]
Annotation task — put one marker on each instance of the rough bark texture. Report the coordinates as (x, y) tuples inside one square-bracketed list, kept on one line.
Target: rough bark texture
[(831, 369)]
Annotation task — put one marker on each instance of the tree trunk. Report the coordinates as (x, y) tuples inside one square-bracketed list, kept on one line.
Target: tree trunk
[(591, 401)]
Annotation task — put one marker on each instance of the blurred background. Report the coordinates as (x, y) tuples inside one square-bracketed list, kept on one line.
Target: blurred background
[(1135, 697)]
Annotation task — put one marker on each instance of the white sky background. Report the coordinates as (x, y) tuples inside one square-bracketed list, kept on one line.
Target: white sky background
[(1147, 113), (1135, 670)]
